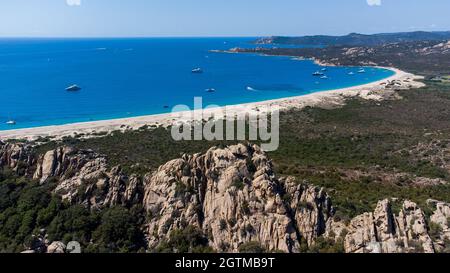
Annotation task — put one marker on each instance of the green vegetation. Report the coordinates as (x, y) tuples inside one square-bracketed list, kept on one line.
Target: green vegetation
[(352, 198), (327, 245), (238, 184), (356, 39), (428, 58), (252, 247), (182, 188), (188, 240), (139, 151), (361, 153), (325, 147), (435, 231), (27, 207)]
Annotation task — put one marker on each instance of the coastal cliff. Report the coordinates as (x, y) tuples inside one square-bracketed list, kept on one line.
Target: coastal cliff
[(233, 197)]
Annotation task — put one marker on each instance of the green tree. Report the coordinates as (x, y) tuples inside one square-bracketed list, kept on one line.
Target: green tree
[(118, 232), (251, 247)]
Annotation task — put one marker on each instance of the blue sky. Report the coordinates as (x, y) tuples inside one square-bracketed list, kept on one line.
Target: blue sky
[(118, 18)]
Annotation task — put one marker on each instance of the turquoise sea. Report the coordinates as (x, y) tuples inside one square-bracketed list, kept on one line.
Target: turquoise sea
[(133, 77)]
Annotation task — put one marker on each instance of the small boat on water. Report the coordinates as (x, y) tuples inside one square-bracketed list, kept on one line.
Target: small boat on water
[(362, 70), (197, 71), (318, 73), (210, 90), (351, 73), (324, 77), (73, 88), (324, 69), (11, 122)]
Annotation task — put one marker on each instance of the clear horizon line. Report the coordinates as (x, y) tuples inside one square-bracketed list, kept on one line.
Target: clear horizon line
[(130, 37), (199, 36)]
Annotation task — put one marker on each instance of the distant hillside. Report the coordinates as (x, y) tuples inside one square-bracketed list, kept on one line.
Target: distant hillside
[(428, 58), (355, 39)]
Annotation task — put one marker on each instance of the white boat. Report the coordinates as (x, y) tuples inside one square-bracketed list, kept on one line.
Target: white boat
[(210, 90), (73, 88), (351, 73), (324, 69), (197, 71), (11, 122), (362, 70), (324, 77), (318, 73)]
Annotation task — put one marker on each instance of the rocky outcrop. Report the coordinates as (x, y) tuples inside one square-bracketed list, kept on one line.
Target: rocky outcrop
[(83, 177), (56, 248), (383, 232), (39, 243), (219, 193), (310, 207), (441, 221), (65, 162), (96, 187), (441, 216), (233, 196), (413, 228), (16, 156)]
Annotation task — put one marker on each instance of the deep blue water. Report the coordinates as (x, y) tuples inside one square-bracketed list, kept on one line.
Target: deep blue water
[(133, 77)]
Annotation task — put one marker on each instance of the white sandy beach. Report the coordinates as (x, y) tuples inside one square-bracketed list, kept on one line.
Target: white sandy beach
[(373, 91)]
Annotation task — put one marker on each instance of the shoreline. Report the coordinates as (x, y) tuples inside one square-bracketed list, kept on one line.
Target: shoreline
[(377, 90), (316, 61)]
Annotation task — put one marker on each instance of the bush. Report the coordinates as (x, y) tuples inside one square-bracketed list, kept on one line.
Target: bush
[(327, 245), (73, 223), (251, 247), (188, 240), (118, 232), (415, 246), (435, 231), (238, 184)]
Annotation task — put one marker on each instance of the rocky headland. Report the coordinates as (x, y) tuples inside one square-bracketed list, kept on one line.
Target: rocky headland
[(233, 196)]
